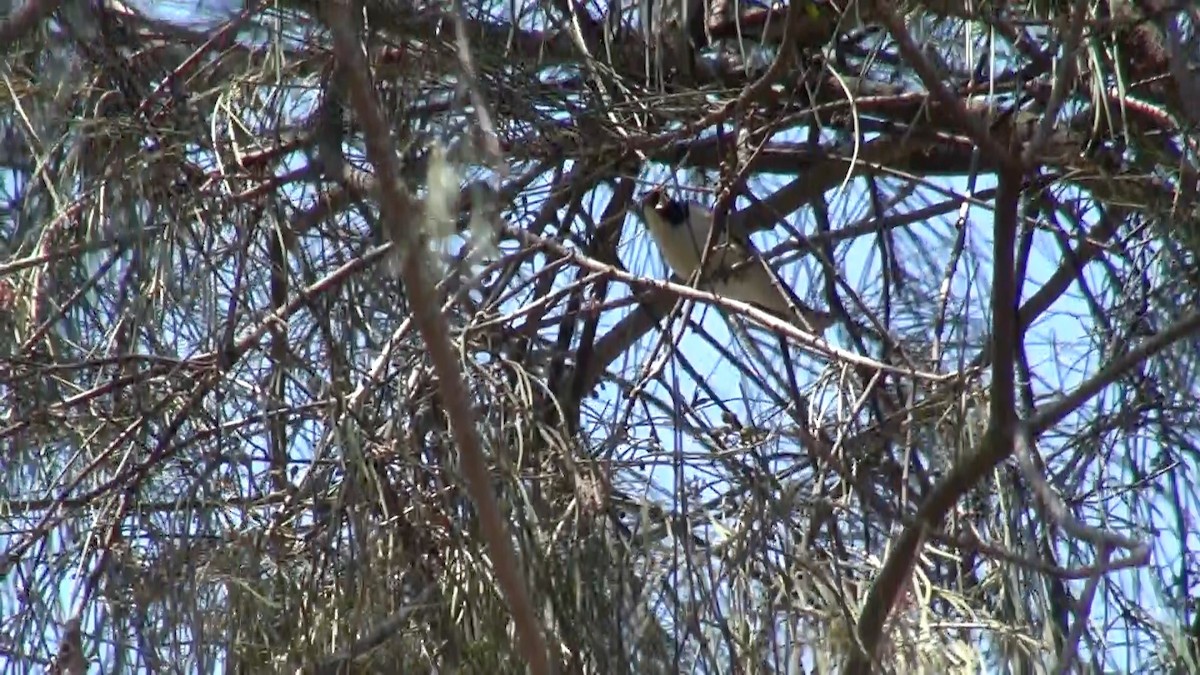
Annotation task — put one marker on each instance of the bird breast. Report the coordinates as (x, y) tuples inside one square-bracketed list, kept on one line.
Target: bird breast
[(682, 246)]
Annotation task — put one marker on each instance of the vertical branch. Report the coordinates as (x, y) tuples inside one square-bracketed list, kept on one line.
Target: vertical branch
[(276, 412), (1004, 307)]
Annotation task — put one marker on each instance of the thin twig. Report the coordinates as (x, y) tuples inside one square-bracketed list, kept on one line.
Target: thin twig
[(1062, 83)]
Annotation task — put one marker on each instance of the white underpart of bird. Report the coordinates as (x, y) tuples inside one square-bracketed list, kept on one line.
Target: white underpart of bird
[(733, 270)]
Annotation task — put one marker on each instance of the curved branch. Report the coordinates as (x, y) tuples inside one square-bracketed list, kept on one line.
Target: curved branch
[(997, 443)]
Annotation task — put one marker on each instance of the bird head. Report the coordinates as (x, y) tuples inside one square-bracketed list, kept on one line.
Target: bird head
[(667, 209)]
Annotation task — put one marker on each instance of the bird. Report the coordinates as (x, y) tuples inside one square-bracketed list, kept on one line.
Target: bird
[(734, 269)]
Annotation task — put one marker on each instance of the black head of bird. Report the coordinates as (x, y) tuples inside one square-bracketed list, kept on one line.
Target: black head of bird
[(671, 211)]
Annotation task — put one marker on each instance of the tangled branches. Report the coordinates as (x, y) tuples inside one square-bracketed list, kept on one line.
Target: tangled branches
[(330, 342)]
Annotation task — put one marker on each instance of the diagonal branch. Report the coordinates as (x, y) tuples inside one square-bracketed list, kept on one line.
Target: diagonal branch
[(403, 212)]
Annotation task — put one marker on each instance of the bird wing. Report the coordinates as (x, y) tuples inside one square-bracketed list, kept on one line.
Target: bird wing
[(748, 278)]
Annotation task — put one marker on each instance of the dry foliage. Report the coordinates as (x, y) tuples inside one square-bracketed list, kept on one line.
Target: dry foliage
[(330, 344)]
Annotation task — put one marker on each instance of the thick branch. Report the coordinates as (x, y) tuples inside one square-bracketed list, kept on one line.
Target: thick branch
[(403, 213), (997, 442)]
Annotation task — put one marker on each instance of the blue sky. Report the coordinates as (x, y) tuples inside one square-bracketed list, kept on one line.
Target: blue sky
[(1058, 338)]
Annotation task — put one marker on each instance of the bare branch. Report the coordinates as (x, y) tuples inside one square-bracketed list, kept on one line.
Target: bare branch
[(403, 214)]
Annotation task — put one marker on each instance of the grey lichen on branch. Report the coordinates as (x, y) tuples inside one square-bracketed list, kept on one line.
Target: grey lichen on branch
[(434, 218)]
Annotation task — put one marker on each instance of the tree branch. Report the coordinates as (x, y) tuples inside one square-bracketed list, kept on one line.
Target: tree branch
[(404, 214)]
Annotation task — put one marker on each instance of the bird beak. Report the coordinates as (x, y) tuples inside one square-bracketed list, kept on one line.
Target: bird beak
[(652, 200)]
